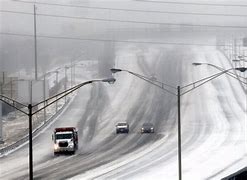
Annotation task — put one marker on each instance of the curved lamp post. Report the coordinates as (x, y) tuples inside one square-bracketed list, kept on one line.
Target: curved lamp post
[(239, 60), (234, 75), (178, 94), (47, 102)]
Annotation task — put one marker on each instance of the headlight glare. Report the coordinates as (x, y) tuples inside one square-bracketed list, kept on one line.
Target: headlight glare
[(55, 146)]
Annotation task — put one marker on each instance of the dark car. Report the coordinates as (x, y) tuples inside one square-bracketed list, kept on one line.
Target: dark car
[(147, 128), (122, 127)]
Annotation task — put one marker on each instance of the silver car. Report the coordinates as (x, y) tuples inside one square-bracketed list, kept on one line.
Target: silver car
[(122, 127)]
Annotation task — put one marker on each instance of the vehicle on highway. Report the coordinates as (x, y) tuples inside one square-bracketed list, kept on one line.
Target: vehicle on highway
[(122, 127), (147, 128), (65, 140)]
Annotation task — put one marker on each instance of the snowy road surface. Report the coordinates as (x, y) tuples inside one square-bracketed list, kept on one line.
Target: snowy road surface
[(213, 123)]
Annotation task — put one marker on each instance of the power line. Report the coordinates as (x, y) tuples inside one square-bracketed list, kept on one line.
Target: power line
[(137, 10), (193, 3), (16, 12), (110, 40), (127, 21)]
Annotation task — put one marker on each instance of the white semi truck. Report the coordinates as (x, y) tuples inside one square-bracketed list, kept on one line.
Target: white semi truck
[(65, 140)]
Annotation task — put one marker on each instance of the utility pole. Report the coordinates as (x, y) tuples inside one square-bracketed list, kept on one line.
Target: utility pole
[(30, 141), (56, 87), (1, 125), (245, 119), (71, 72), (1, 120), (65, 82), (44, 94), (35, 45), (179, 136)]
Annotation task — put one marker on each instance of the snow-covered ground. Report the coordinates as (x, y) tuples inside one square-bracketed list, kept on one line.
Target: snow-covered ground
[(213, 117), (213, 123)]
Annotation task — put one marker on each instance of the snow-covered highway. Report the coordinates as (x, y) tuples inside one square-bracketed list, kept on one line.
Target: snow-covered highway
[(213, 123)]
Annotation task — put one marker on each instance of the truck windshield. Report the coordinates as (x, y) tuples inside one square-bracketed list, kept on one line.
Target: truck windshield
[(63, 136), (122, 124)]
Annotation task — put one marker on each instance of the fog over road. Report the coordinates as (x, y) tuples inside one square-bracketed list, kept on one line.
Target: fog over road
[(212, 116), (155, 38)]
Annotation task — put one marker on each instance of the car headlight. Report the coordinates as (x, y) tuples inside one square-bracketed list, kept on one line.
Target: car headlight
[(71, 144)]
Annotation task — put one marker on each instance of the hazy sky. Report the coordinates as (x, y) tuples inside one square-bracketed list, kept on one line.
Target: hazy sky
[(87, 23)]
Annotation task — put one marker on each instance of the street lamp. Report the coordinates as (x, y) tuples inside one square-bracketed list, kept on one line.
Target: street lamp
[(241, 69), (76, 65), (65, 80), (72, 71), (239, 60), (56, 71), (178, 94), (44, 88), (46, 103), (242, 58)]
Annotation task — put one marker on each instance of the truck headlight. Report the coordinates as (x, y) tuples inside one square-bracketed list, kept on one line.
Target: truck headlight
[(55, 146)]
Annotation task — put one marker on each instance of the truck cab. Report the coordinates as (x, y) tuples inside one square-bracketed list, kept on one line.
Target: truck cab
[(65, 140)]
